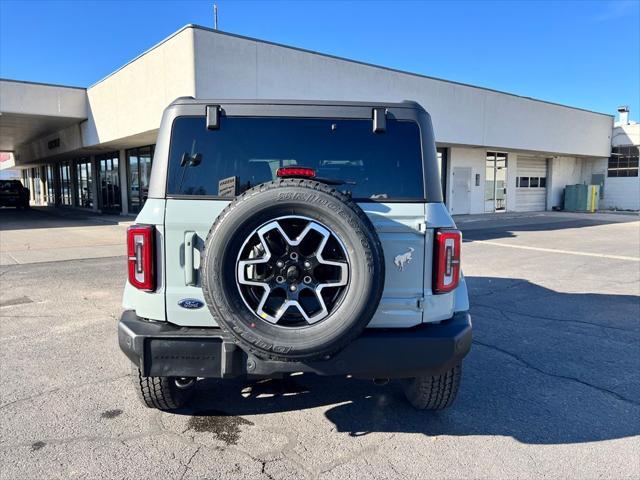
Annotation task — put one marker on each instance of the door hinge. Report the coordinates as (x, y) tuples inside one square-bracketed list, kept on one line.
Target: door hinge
[(420, 304), (422, 227)]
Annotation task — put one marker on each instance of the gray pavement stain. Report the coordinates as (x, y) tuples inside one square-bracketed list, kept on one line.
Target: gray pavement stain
[(225, 427), (37, 446), (109, 414), (16, 301)]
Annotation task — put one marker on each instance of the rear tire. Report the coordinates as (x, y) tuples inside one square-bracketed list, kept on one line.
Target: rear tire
[(311, 202), (433, 392), (163, 393)]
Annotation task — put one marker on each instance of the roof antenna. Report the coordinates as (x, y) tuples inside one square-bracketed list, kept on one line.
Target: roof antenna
[(215, 16)]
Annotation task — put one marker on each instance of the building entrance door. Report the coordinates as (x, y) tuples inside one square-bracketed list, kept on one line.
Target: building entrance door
[(495, 190), (139, 174), (109, 183), (84, 183), (461, 191)]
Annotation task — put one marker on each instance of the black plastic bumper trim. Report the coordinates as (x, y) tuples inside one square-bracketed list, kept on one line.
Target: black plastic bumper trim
[(163, 349)]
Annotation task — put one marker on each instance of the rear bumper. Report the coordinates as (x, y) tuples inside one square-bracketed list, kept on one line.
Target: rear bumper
[(12, 201), (166, 350)]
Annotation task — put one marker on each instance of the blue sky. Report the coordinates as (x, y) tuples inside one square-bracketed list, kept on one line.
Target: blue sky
[(580, 53)]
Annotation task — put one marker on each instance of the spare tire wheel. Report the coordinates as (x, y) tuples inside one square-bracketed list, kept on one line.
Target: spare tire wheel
[(293, 269)]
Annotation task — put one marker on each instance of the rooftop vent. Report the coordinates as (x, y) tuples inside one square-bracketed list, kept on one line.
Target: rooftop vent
[(624, 114)]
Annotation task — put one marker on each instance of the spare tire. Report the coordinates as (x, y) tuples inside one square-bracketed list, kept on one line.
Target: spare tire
[(293, 269)]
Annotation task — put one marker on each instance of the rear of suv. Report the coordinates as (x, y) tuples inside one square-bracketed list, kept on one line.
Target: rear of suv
[(13, 194), (284, 236)]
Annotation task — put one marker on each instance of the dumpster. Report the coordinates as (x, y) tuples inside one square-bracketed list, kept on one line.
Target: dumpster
[(581, 198)]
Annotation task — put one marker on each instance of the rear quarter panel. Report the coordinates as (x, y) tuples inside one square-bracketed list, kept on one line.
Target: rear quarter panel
[(150, 304)]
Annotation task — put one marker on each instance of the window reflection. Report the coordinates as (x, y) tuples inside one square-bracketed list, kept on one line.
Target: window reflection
[(109, 182), (64, 169), (84, 183), (623, 162), (139, 173), (495, 190), (364, 164)]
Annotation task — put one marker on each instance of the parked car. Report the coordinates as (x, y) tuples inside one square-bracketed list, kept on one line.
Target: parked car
[(13, 194), (283, 236)]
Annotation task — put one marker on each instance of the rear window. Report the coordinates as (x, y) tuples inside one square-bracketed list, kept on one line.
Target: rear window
[(376, 166)]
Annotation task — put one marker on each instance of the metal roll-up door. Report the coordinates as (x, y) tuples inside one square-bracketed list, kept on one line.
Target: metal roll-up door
[(531, 184)]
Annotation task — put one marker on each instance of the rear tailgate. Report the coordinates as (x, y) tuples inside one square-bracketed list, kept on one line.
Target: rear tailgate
[(400, 228), (382, 171)]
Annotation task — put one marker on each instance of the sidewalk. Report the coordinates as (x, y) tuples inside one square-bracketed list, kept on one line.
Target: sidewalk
[(43, 235)]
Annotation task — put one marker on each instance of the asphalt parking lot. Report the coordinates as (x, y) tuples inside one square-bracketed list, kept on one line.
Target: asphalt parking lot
[(551, 388)]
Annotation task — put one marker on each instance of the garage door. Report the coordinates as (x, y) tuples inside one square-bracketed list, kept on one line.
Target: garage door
[(531, 184)]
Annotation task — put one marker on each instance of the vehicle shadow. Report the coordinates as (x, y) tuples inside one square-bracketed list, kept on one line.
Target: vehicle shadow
[(50, 217), (545, 368)]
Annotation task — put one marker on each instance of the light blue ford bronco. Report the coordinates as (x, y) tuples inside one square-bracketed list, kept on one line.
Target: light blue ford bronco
[(294, 236)]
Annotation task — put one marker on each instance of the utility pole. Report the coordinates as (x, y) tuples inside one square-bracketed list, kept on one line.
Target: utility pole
[(215, 16)]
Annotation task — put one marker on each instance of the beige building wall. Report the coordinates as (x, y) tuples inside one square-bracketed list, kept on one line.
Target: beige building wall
[(124, 109), (26, 98), (229, 66), (130, 101)]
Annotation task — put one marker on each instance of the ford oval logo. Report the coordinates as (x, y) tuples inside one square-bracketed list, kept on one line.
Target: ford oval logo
[(191, 303)]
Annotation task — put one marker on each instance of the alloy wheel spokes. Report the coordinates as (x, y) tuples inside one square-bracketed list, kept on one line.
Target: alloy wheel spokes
[(283, 268)]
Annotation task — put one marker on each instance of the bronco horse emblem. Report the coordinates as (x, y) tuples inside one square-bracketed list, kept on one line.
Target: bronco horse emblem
[(402, 260)]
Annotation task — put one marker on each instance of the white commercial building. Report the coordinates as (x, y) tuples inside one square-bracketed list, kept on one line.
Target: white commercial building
[(92, 148), (621, 183)]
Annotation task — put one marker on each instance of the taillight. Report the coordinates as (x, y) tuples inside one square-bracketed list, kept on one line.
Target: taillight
[(140, 257), (447, 260), (306, 172)]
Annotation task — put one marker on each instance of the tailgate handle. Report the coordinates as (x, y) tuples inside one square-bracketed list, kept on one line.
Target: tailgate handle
[(189, 272)]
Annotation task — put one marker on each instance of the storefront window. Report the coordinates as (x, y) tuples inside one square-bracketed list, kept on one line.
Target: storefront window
[(84, 183), (65, 183), (138, 174), (495, 182), (109, 183), (51, 186), (36, 186), (623, 162)]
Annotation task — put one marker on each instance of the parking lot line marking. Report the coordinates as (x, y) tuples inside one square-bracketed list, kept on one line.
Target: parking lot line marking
[(553, 250)]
